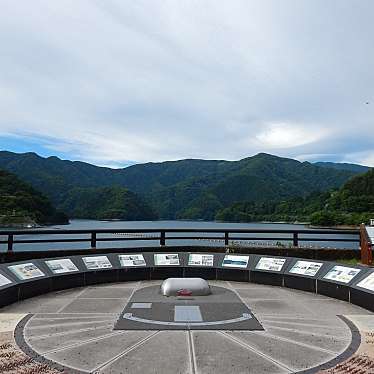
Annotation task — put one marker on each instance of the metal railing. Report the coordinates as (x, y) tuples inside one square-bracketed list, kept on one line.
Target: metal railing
[(162, 235)]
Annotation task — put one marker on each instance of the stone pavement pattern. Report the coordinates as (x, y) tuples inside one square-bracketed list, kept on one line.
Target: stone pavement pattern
[(74, 328)]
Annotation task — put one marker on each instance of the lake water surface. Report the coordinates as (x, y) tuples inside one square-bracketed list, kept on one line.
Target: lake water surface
[(121, 225)]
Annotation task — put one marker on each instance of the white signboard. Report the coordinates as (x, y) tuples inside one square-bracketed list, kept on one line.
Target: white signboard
[(166, 259), (367, 283), (370, 231), (342, 274), (64, 265), (132, 260), (306, 268), (235, 261), (4, 280), (271, 264), (196, 259), (97, 262), (26, 271)]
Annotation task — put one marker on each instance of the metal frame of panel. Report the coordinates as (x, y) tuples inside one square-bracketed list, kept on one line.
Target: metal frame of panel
[(361, 295), (334, 287), (236, 273), (268, 276), (50, 281), (33, 286), (133, 273), (301, 280), (65, 280), (9, 291), (203, 271)]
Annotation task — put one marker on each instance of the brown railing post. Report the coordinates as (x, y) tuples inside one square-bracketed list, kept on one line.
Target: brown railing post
[(93, 239), (10, 243), (366, 247), (162, 238), (295, 239), (226, 238)]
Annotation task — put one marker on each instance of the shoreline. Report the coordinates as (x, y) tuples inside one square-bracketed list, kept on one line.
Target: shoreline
[(34, 225), (337, 227)]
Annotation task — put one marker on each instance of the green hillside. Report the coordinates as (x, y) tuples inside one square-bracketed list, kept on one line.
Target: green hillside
[(352, 204), (343, 166), (20, 204), (196, 189), (107, 203)]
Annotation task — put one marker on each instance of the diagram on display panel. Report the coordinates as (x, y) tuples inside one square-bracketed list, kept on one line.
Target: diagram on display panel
[(186, 304)]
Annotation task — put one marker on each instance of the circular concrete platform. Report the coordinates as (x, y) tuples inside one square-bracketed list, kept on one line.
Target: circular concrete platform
[(74, 329)]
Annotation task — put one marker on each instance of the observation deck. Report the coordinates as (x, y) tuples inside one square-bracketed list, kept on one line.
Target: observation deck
[(103, 312)]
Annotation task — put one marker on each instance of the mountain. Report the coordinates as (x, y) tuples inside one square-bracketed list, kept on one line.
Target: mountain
[(188, 188), (260, 178), (107, 203), (56, 177), (343, 166), (20, 204), (352, 204)]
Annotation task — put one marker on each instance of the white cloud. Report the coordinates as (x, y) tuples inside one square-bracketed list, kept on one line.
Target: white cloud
[(283, 135), (113, 81), (363, 158)]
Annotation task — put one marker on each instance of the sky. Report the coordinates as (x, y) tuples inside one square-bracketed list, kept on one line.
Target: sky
[(121, 82)]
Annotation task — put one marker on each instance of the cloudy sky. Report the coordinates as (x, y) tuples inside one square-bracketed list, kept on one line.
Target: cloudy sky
[(112, 82)]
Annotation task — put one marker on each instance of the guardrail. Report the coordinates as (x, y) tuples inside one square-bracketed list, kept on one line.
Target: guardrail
[(162, 235)]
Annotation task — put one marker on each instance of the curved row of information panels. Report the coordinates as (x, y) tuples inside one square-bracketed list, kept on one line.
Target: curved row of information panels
[(20, 280)]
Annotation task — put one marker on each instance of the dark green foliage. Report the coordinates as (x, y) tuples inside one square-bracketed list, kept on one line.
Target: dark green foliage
[(343, 166), (351, 205), (326, 218), (107, 203), (204, 207), (21, 204), (179, 189)]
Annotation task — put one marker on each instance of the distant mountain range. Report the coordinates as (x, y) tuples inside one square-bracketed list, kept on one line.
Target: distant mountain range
[(189, 189), (343, 166), (352, 204)]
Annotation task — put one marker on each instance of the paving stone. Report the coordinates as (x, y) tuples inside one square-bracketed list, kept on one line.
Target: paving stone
[(217, 354), (95, 306), (165, 353), (75, 327), (107, 292), (91, 355)]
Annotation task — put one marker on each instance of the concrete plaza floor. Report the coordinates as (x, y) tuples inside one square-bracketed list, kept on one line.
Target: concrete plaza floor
[(74, 329)]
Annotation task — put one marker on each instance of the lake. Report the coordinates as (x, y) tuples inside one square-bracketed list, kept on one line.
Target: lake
[(92, 224)]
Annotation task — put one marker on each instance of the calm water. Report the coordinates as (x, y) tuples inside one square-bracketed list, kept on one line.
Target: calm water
[(91, 224)]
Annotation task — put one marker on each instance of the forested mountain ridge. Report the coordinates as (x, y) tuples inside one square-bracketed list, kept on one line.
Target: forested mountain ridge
[(107, 203), (344, 166), (188, 188), (352, 204), (21, 204)]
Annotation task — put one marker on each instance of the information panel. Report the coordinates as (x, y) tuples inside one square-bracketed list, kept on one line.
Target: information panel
[(166, 259), (196, 259), (4, 280), (235, 261), (269, 263), (307, 268), (131, 260), (341, 274), (97, 262), (26, 271), (64, 265), (367, 283)]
